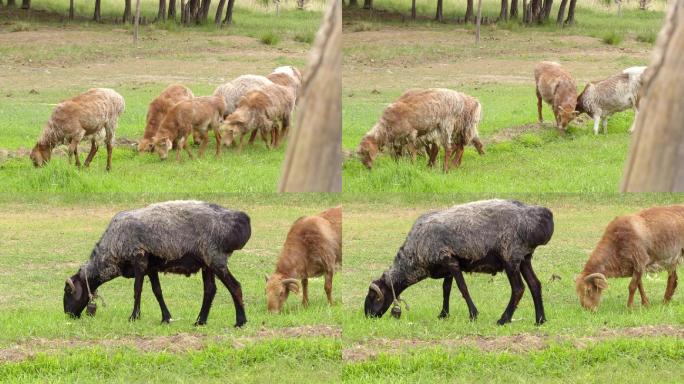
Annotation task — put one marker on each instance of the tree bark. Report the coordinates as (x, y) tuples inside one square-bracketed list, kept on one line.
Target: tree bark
[(137, 20), (413, 9), (161, 14), (11, 3), (367, 4), (546, 11), (96, 15), (183, 11), (353, 3), (657, 150), (127, 12), (514, 9), (71, 9), (503, 15), (469, 11), (203, 12), (479, 21), (313, 162), (219, 12), (172, 10), (438, 15), (25, 4), (571, 13), (229, 13), (561, 12), (534, 12)]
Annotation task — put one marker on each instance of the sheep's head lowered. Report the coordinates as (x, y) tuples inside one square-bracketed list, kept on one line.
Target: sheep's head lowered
[(40, 155), (277, 290), (75, 295), (233, 126), (379, 298), (589, 289), (367, 151), (162, 145)]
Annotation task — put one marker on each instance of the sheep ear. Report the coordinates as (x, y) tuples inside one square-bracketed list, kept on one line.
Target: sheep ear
[(597, 279)]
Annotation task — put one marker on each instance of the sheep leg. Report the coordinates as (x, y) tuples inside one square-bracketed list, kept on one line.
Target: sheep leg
[(642, 293), (110, 146), (217, 136), (597, 117), (204, 141), (604, 122), (156, 289), (286, 126), (446, 293), (671, 285), (73, 149), (535, 289), (235, 290), (328, 287), (187, 148), (457, 156), (636, 112), (478, 145), (305, 292), (209, 292), (137, 291), (463, 288), (242, 135), (252, 136), (539, 107), (91, 154), (447, 156), (434, 152), (633, 284), (517, 290)]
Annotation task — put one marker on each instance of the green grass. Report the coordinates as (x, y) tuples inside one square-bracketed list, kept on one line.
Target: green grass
[(612, 38), (270, 38)]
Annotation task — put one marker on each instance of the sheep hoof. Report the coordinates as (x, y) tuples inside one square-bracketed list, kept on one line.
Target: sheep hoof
[(134, 317), (473, 316), (166, 321), (502, 321), (443, 315), (541, 321), (200, 323), (240, 323)]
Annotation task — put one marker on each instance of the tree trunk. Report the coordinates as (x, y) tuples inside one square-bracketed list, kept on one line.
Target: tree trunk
[(561, 12), (439, 16), (137, 20), (219, 12), (313, 162), (526, 12), (353, 3), (367, 4), (11, 3), (514, 9), (546, 11), (203, 12), (503, 15), (534, 12), (96, 15), (229, 13), (657, 150), (413, 9), (127, 12), (161, 14), (71, 9), (25, 4), (172, 10), (479, 21), (571, 13), (183, 11), (469, 11)]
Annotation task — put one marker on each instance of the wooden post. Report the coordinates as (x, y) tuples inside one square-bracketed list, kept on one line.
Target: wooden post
[(137, 20), (479, 21), (656, 156), (313, 162)]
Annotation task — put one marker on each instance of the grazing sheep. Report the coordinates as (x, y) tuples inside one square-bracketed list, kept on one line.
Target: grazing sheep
[(313, 247), (600, 99), (90, 115), (233, 90), (198, 114), (441, 117), (287, 76), (484, 236), (555, 86), (261, 111), (170, 96), (650, 240), (174, 237)]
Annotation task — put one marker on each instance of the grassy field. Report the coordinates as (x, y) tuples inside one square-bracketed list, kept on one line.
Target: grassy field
[(45, 61), (385, 56), (45, 242)]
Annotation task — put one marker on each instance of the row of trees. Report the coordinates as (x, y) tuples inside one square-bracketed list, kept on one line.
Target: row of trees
[(533, 11)]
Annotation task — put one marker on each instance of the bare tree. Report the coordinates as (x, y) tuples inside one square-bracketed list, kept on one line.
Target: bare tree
[(413, 9), (161, 13), (503, 15), (439, 14), (657, 150), (219, 12), (313, 162), (514, 9), (546, 10), (127, 11), (571, 13), (469, 11), (561, 12), (172, 10), (96, 15), (229, 13)]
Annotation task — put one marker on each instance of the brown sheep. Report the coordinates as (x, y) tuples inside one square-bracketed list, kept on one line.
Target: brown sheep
[(313, 247), (86, 116), (260, 110), (287, 76), (555, 86), (433, 117), (632, 245), (198, 114), (170, 96)]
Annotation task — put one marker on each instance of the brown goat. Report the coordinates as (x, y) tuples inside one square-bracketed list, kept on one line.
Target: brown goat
[(87, 116), (650, 240), (555, 86), (198, 114), (313, 247), (170, 96)]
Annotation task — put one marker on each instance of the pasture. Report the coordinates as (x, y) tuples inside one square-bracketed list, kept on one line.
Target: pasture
[(46, 59), (385, 54), (46, 241)]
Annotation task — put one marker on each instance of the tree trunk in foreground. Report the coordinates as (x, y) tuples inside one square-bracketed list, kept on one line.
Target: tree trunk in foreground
[(313, 162), (656, 156)]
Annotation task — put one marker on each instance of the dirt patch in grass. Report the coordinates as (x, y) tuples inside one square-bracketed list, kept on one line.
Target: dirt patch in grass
[(522, 343), (182, 342)]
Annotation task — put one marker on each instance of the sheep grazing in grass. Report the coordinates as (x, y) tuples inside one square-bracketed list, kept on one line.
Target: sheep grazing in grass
[(600, 99), (313, 247), (261, 111), (432, 117), (90, 115), (650, 240), (198, 114), (170, 96), (174, 237), (287, 76), (487, 236), (233, 90), (555, 86)]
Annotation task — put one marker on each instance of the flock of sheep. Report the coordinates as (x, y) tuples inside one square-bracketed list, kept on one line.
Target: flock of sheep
[(248, 104), (437, 117), (488, 236)]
